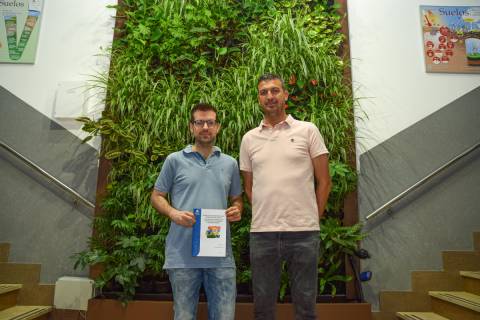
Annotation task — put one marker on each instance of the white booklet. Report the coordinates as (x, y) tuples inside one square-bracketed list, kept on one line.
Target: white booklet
[(209, 237)]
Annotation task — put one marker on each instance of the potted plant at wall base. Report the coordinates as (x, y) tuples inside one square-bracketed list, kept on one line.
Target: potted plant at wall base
[(127, 260), (337, 241)]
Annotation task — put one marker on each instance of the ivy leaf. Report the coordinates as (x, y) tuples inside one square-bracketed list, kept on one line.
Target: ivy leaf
[(113, 154), (87, 139), (222, 51), (83, 119)]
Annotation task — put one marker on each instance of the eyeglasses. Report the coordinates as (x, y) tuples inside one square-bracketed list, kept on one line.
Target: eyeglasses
[(201, 123)]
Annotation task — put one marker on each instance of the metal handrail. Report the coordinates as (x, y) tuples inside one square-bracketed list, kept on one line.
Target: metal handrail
[(419, 183), (46, 174)]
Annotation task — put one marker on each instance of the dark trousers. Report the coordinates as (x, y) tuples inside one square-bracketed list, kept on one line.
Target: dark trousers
[(300, 252)]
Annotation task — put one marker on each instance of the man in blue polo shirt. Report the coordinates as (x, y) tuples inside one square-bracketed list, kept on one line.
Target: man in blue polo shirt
[(199, 176)]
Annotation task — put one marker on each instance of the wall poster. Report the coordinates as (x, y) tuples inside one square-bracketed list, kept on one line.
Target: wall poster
[(451, 38), (19, 30)]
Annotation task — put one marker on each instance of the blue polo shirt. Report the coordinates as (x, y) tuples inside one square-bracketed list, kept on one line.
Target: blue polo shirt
[(195, 182)]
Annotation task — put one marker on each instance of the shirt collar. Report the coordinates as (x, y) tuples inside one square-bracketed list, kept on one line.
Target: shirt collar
[(216, 150), (289, 121)]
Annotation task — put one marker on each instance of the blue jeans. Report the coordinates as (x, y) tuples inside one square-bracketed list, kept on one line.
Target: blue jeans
[(300, 252), (220, 288)]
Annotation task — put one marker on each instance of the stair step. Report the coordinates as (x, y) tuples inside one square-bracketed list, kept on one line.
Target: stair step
[(20, 273), (4, 251), (476, 241), (24, 312), (420, 316), (461, 298), (404, 300), (9, 295), (5, 287), (424, 281), (383, 315), (38, 295), (470, 274), (461, 260), (471, 281)]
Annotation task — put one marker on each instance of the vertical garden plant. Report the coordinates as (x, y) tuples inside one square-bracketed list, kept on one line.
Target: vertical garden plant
[(174, 53)]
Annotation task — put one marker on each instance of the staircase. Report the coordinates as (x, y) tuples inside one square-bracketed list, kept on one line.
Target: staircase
[(451, 294), (21, 297)]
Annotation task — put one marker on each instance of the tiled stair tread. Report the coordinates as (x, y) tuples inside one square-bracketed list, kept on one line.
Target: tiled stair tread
[(470, 274), (420, 316), (5, 287), (461, 298), (24, 312)]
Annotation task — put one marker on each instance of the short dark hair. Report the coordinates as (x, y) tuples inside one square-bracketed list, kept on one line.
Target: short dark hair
[(269, 77), (202, 106)]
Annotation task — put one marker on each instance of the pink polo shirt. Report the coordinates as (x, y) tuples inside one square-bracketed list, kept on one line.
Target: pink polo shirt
[(283, 194)]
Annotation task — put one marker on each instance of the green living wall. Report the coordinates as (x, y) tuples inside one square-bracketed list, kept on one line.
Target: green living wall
[(173, 54)]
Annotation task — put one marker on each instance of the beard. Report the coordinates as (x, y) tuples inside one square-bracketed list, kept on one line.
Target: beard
[(205, 139)]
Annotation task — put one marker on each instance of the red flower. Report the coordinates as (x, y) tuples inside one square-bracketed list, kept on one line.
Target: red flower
[(314, 82)]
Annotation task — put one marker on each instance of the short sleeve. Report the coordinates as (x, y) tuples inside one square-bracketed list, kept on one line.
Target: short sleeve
[(317, 145), (235, 186), (164, 181), (245, 161)]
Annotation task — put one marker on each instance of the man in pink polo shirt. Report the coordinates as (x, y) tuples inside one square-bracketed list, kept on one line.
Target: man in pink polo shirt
[(284, 163)]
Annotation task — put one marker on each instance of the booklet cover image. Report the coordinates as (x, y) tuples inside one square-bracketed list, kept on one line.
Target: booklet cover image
[(213, 232)]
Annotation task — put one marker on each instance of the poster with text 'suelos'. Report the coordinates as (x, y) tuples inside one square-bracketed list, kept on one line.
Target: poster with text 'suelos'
[(19, 30), (451, 38)]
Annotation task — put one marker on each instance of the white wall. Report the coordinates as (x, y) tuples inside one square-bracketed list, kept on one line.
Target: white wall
[(394, 93), (388, 69), (72, 34)]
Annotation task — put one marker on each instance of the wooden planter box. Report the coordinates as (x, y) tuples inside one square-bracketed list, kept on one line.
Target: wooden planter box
[(108, 309)]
